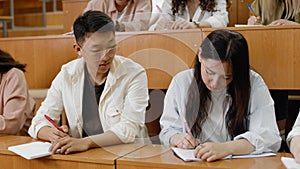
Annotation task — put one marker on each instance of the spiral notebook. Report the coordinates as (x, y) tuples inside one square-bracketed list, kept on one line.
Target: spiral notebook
[(32, 150)]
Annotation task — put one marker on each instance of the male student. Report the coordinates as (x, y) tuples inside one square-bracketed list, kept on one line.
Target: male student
[(103, 95)]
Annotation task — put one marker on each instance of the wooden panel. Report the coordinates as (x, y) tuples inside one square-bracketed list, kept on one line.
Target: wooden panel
[(71, 10), (44, 56)]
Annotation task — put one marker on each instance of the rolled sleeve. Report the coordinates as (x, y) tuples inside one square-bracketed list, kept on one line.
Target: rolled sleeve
[(295, 131)]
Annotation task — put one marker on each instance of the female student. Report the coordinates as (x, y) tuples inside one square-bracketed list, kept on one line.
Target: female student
[(221, 107), (191, 14), (293, 139), (275, 12), (128, 15), (16, 105), (104, 96)]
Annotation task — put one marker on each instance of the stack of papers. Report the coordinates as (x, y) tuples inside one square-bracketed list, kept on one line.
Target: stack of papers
[(188, 155), (32, 150)]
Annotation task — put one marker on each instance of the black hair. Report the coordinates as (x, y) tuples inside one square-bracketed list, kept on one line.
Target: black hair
[(224, 45), (90, 22), (7, 62)]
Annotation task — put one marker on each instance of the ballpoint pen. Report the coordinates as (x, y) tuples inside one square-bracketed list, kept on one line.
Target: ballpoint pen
[(187, 128), (53, 123), (251, 10)]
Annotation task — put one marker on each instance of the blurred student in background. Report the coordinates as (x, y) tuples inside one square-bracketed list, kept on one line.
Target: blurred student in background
[(275, 12), (16, 105), (128, 15), (191, 14)]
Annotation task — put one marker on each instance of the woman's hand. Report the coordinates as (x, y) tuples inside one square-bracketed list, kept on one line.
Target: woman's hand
[(184, 141), (183, 24), (212, 151), (253, 20)]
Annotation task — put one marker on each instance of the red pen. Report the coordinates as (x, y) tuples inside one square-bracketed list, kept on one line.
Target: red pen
[(53, 123)]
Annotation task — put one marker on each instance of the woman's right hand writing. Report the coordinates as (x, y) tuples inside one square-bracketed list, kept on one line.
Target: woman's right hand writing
[(253, 20), (184, 140)]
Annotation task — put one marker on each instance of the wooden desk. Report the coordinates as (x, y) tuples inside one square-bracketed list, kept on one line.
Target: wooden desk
[(274, 53), (159, 156), (97, 158)]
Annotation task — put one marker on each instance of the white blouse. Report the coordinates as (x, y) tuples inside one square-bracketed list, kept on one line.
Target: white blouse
[(262, 132)]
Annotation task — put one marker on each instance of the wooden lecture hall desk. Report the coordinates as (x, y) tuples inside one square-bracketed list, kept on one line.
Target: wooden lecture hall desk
[(162, 157), (98, 158)]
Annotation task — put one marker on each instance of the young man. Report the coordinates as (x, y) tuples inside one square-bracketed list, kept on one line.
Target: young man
[(104, 96)]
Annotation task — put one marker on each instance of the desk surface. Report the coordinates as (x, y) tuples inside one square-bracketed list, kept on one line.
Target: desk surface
[(94, 158), (162, 157)]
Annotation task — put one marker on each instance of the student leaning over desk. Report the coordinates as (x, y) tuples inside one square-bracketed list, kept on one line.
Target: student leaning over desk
[(104, 96), (191, 14), (16, 105), (293, 139), (227, 105), (275, 12)]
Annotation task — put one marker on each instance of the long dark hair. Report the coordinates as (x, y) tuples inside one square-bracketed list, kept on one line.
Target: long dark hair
[(7, 62), (179, 5), (226, 46)]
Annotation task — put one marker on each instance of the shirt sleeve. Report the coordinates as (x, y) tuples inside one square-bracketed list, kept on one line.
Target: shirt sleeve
[(52, 106), (170, 121), (141, 17), (263, 132), (133, 113), (295, 131), (219, 18)]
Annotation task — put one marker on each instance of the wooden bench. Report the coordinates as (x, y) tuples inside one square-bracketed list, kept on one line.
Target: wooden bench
[(4, 20)]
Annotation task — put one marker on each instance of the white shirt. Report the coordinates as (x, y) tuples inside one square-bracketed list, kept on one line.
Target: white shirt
[(122, 103), (262, 132), (295, 131), (219, 18)]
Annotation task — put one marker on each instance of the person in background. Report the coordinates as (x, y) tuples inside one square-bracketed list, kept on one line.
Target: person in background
[(17, 106), (293, 139), (192, 14), (220, 106), (275, 12), (128, 15), (103, 95)]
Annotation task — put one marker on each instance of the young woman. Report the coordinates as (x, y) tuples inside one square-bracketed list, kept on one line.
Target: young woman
[(191, 14), (16, 105), (275, 12), (226, 105)]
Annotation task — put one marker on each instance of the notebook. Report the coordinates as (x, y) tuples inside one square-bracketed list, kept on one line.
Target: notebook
[(188, 155), (32, 150)]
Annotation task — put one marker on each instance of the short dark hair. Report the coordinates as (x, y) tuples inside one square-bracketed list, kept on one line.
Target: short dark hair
[(90, 22), (7, 62)]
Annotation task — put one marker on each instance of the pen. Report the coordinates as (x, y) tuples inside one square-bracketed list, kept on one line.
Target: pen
[(251, 10), (53, 123), (187, 128)]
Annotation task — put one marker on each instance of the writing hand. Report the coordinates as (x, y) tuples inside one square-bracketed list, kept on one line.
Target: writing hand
[(184, 140), (253, 20)]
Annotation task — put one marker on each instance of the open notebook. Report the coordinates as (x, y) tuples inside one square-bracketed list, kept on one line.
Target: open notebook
[(32, 150), (188, 155)]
